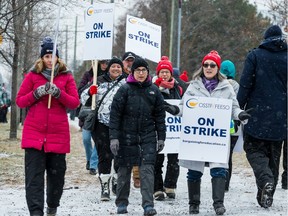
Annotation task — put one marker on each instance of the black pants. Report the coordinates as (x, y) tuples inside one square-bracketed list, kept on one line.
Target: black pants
[(3, 115), (101, 139), (36, 162), (264, 158), (172, 172), (233, 141)]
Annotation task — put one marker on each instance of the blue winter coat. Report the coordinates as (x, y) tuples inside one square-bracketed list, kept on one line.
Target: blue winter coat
[(263, 86)]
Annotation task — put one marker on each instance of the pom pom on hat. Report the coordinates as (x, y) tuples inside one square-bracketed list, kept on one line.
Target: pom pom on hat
[(47, 47), (214, 56), (228, 69), (115, 60), (273, 31), (184, 76), (139, 62), (164, 63)]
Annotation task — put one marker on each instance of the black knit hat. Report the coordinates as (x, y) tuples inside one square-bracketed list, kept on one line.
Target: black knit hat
[(115, 60), (139, 62), (273, 31), (47, 47)]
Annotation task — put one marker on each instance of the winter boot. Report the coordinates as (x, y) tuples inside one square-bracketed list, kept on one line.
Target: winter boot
[(267, 195), (105, 189), (122, 209), (227, 182), (114, 183), (51, 211), (159, 195), (170, 192), (194, 196), (218, 192), (149, 211)]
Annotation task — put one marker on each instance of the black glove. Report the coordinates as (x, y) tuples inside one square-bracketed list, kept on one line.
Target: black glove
[(114, 146), (245, 114), (52, 89), (172, 109), (40, 91), (160, 145)]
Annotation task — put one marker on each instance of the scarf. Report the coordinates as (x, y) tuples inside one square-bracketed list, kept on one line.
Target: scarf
[(210, 85), (47, 72)]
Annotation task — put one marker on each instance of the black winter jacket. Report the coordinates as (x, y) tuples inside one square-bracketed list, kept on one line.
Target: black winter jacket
[(137, 119), (263, 86)]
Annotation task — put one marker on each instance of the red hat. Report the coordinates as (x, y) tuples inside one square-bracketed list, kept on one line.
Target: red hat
[(214, 56), (164, 63), (184, 76)]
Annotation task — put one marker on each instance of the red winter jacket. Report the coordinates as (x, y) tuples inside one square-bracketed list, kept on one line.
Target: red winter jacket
[(43, 126)]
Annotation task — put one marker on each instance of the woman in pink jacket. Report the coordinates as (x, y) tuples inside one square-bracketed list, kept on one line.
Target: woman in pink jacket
[(46, 136)]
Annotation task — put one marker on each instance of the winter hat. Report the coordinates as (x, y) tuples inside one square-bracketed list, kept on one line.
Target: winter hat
[(228, 69), (115, 60), (214, 56), (47, 47), (273, 31), (139, 62), (128, 55), (164, 63), (184, 76)]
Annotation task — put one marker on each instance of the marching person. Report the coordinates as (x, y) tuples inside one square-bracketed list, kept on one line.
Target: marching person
[(170, 89), (263, 86), (137, 133), (46, 136), (209, 82)]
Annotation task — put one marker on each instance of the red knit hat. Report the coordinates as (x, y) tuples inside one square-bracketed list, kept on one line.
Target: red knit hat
[(184, 76), (165, 63), (214, 56)]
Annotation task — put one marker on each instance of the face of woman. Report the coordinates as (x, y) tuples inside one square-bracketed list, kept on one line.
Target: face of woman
[(115, 71), (47, 59), (210, 69), (165, 74), (140, 74)]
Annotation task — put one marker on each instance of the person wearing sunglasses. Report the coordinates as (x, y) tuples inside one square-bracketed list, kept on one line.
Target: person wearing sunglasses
[(209, 82)]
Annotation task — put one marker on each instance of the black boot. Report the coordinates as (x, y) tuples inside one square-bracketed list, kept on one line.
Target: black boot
[(218, 192), (194, 196), (105, 187)]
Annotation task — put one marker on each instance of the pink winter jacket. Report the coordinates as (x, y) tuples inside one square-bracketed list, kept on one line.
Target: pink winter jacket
[(43, 127)]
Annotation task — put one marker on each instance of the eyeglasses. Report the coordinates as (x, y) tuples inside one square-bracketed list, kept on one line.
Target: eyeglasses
[(206, 65), (138, 71), (165, 72)]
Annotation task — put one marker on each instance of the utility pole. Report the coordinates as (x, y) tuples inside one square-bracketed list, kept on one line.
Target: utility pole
[(179, 33), (66, 45), (171, 31), (75, 45)]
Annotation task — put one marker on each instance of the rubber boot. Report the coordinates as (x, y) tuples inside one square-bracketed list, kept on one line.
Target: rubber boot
[(105, 188), (194, 196), (218, 192)]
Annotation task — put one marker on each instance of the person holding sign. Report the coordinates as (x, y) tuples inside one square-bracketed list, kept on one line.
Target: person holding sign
[(137, 134), (209, 82), (170, 89), (46, 136)]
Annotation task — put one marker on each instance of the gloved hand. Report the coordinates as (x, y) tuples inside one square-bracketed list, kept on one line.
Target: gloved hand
[(158, 81), (52, 89), (160, 145), (114, 146), (172, 109), (40, 91), (93, 89), (245, 114)]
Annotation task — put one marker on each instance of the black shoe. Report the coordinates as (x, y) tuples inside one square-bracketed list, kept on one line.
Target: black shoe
[(93, 172), (88, 165), (267, 195), (51, 211), (149, 211)]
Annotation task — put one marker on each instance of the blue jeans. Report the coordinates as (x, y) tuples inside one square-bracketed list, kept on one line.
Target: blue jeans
[(91, 152), (194, 175)]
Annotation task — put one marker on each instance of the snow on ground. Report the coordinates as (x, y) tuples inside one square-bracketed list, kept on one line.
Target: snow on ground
[(84, 199)]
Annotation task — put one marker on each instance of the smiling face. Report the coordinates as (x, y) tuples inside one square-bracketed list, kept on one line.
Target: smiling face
[(210, 69), (115, 71), (47, 59), (140, 74), (128, 64), (165, 74)]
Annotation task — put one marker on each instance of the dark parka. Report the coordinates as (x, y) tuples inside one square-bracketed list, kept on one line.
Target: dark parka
[(137, 119), (263, 86)]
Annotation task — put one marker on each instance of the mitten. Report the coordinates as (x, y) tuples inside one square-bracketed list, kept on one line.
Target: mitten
[(53, 89), (40, 91), (172, 109), (160, 145), (114, 146), (158, 81), (93, 90), (245, 114)]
